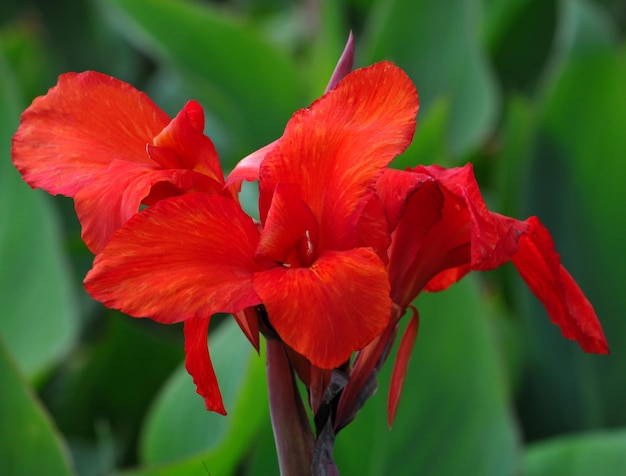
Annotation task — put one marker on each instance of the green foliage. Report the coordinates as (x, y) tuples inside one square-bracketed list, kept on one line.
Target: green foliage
[(533, 92), (592, 453), (29, 443), (40, 314)]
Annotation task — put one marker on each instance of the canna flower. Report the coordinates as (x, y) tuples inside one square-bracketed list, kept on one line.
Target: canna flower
[(109, 147), (316, 263), (343, 247)]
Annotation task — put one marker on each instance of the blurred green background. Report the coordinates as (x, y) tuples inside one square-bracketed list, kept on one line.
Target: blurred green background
[(533, 92)]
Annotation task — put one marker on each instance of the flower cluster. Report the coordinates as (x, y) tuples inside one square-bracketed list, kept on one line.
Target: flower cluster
[(344, 243)]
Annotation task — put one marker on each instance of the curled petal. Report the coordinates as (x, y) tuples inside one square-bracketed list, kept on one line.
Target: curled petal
[(69, 136), (493, 242), (429, 231), (337, 147), (371, 228), (447, 278), (539, 265), (186, 257), (183, 145), (199, 366), (444, 240), (248, 322), (395, 189), (331, 309)]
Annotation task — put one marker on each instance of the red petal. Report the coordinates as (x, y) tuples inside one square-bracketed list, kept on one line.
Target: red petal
[(186, 146), (106, 204), (493, 242), (248, 167), (400, 366), (71, 134), (289, 228), (188, 256), (540, 266), (199, 366), (395, 188), (248, 321), (336, 148), (447, 278), (426, 238), (372, 228), (331, 309)]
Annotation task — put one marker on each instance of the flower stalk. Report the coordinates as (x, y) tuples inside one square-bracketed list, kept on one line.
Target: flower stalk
[(292, 432)]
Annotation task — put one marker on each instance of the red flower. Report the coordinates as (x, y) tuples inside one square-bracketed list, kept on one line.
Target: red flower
[(108, 146), (314, 265), (344, 244)]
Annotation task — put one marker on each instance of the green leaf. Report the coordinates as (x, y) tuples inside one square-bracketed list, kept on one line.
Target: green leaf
[(579, 455), (513, 160), (40, 320), (115, 376), (29, 443), (437, 43), (454, 413), (182, 437), (243, 79), (593, 137), (519, 56), (586, 28)]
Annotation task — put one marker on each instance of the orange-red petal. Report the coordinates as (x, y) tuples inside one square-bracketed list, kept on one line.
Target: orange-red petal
[(186, 257), (493, 242), (327, 311), (104, 205), (199, 366), (183, 145), (69, 136), (290, 233), (248, 167), (540, 266), (424, 240), (335, 149)]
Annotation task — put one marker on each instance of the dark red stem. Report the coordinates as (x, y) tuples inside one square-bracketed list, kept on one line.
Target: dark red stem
[(292, 430)]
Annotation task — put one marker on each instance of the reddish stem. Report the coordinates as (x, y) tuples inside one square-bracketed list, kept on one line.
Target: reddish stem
[(292, 430)]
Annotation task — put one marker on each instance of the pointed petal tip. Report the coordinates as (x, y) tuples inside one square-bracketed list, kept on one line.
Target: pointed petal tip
[(540, 266), (401, 365), (199, 366), (344, 65)]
